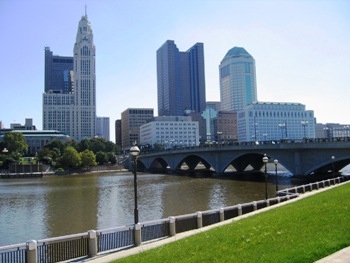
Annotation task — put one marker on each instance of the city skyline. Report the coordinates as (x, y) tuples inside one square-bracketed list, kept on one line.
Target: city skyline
[(300, 48)]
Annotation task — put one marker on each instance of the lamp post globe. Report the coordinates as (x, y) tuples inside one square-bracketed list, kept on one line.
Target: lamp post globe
[(265, 160), (333, 165), (134, 152)]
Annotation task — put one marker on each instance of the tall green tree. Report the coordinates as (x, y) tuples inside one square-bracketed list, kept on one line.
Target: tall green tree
[(15, 143), (112, 158), (83, 145), (70, 158), (101, 158), (98, 145), (88, 158)]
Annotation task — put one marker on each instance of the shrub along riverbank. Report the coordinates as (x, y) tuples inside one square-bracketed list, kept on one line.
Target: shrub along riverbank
[(304, 231)]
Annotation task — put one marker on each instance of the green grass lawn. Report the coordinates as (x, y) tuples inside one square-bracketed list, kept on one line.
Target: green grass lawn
[(304, 231)]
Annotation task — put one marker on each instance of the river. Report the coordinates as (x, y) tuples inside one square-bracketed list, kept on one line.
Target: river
[(62, 205)]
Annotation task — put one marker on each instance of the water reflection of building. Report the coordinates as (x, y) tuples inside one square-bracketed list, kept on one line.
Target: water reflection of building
[(60, 207)]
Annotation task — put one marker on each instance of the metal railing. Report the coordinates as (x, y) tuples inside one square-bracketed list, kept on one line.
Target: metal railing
[(13, 253), (114, 238), (62, 248), (93, 242)]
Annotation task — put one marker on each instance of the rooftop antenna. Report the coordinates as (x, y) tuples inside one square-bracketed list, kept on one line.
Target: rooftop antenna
[(85, 9)]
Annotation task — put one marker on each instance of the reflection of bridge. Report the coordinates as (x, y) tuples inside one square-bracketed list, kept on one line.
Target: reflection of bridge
[(298, 158)]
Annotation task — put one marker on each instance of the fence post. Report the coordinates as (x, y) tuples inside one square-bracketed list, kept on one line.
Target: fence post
[(92, 243), (239, 207), (31, 251), (172, 226), (137, 234), (222, 214), (255, 206), (199, 220)]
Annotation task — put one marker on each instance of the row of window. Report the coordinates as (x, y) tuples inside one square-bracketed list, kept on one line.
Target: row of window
[(175, 124)]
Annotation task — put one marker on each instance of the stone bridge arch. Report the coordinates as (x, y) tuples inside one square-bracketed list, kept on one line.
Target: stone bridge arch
[(192, 161), (158, 164), (330, 166)]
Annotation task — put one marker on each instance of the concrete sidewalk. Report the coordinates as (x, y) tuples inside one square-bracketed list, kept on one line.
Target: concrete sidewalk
[(342, 256)]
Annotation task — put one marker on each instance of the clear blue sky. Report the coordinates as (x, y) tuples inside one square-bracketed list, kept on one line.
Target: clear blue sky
[(301, 49)]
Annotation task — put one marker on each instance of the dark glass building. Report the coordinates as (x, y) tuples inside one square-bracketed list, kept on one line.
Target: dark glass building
[(58, 73), (180, 79)]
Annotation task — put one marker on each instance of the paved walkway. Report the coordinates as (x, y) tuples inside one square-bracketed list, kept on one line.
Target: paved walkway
[(342, 256)]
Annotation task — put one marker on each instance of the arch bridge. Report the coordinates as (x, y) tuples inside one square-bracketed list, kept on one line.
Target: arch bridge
[(303, 158)]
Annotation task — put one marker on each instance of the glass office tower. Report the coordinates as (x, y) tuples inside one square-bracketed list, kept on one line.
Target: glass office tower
[(237, 79), (180, 79), (58, 73)]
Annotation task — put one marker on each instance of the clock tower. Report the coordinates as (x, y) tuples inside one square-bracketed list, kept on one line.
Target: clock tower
[(84, 82)]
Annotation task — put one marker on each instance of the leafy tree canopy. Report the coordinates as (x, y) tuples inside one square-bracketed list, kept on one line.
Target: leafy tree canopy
[(101, 158), (112, 158), (88, 158), (70, 158), (15, 142)]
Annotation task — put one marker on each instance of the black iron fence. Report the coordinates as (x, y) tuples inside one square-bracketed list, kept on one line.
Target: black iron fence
[(93, 242), (114, 238), (14, 253)]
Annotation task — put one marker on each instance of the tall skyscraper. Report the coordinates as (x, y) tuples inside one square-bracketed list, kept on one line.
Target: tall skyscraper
[(237, 79), (58, 73), (84, 82), (180, 79), (74, 112), (102, 127)]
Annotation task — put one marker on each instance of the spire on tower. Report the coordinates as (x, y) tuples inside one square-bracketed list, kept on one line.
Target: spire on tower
[(85, 9)]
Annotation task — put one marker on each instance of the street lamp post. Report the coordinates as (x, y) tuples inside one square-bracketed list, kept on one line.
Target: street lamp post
[(276, 163), (304, 124), (219, 135), (282, 126), (333, 165), (135, 151), (265, 161), (255, 124)]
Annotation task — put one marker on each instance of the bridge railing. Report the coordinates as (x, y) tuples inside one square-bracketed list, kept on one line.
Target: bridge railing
[(93, 242), (250, 143)]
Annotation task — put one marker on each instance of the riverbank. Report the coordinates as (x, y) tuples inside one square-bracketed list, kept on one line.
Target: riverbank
[(304, 231), (5, 174)]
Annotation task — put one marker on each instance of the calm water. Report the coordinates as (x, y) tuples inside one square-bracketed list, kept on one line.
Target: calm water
[(61, 205)]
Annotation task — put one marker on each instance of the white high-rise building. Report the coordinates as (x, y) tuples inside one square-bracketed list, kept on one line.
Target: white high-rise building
[(74, 113), (237, 80)]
